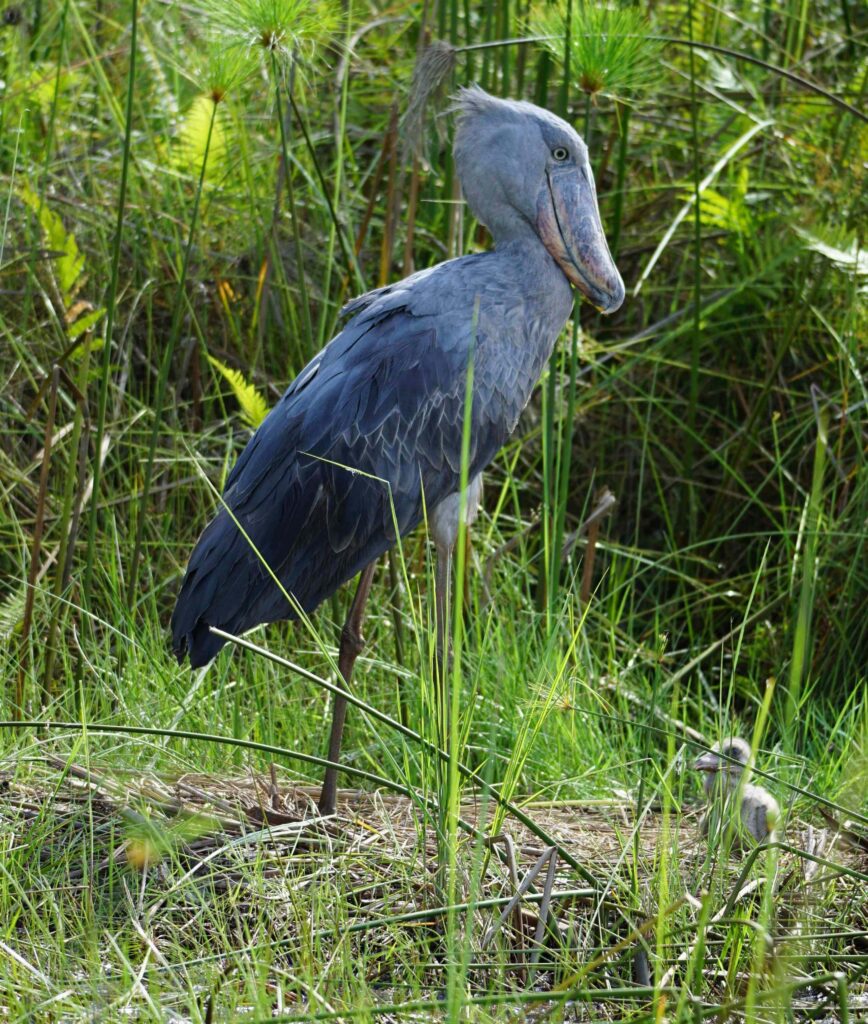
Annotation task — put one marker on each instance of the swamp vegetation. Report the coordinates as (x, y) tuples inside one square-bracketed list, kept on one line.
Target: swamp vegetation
[(190, 194)]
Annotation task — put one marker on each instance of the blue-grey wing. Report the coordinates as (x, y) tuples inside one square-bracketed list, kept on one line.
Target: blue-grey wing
[(367, 435)]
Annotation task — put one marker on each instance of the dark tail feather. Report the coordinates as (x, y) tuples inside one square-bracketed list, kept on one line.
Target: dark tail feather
[(201, 644), (227, 586), (215, 579), (191, 634)]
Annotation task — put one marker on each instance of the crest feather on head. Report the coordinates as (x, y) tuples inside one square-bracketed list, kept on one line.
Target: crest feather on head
[(473, 101)]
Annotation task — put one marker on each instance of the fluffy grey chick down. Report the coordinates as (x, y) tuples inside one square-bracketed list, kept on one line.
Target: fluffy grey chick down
[(724, 765)]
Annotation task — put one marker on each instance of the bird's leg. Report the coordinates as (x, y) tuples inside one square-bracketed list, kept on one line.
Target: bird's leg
[(442, 587), (352, 643)]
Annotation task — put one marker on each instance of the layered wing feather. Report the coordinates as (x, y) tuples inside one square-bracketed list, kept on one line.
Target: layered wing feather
[(367, 434)]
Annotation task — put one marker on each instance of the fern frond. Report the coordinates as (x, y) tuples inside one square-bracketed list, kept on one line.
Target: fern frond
[(11, 613), (69, 262), (254, 407)]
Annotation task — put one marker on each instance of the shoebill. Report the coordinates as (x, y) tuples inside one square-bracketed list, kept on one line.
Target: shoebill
[(368, 438), (724, 766)]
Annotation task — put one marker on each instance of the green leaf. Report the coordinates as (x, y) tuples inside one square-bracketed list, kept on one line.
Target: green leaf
[(78, 327), (840, 247), (12, 613), (719, 211), (193, 139), (254, 407), (45, 85), (611, 50), (69, 263)]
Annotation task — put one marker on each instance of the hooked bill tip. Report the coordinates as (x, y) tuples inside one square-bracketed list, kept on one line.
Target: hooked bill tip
[(615, 298), (606, 296)]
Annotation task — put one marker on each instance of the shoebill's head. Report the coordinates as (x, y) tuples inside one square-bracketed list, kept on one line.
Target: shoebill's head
[(724, 763)]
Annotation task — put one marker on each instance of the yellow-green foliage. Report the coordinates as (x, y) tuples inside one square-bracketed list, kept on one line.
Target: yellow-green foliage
[(193, 141), (80, 325), (729, 212), (611, 51), (44, 83), (254, 408), (281, 28), (69, 262), (11, 613), (34, 92)]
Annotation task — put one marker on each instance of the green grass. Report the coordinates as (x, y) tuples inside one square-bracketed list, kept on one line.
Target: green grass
[(219, 200)]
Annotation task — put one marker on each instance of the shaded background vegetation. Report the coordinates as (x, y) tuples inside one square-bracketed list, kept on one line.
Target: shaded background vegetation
[(706, 405)]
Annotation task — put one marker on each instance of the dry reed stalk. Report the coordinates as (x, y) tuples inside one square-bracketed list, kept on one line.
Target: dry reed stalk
[(38, 528)]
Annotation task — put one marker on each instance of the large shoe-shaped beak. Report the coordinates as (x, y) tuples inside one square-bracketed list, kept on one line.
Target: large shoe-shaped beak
[(568, 221)]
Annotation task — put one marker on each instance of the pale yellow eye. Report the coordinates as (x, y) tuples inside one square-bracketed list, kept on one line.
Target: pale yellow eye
[(560, 153)]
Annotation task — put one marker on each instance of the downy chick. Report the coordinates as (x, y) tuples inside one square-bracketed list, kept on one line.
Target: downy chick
[(724, 765)]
